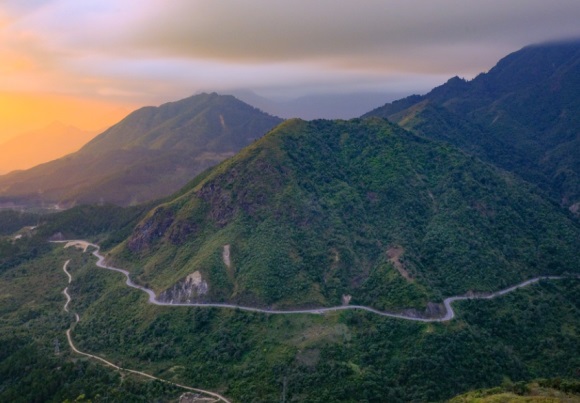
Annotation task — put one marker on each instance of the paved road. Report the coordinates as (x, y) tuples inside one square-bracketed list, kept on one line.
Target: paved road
[(217, 396), (65, 291), (449, 312)]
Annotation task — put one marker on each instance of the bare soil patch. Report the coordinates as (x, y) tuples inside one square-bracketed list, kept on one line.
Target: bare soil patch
[(394, 254)]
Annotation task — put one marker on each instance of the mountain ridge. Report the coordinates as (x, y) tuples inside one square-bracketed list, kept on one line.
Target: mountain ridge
[(522, 116), (149, 154)]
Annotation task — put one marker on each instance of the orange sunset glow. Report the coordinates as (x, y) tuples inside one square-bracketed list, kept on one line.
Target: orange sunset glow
[(24, 112), (89, 63)]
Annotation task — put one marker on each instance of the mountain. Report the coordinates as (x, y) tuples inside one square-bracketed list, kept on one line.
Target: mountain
[(32, 148), (316, 213), (523, 115), (149, 154), (312, 214)]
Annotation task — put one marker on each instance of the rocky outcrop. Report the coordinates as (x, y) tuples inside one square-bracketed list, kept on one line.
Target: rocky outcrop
[(190, 289), (153, 228), (434, 310), (222, 208), (346, 299), (181, 231), (57, 237), (225, 204), (226, 256)]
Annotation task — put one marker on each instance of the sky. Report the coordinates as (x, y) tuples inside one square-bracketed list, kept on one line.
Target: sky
[(90, 62)]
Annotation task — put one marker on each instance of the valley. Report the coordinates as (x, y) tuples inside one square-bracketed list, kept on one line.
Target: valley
[(250, 356)]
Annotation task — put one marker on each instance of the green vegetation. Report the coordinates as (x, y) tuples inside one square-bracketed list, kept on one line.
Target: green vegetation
[(12, 221), (13, 253), (36, 364), (106, 224), (347, 357), (313, 214), (542, 391), (148, 155), (522, 115), (312, 211)]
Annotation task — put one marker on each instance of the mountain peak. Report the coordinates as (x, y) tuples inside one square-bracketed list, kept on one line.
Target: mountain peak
[(314, 211), (522, 115), (149, 154)]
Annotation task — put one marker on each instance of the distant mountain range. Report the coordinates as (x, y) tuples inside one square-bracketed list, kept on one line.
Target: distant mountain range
[(320, 106), (523, 115), (35, 147), (149, 154)]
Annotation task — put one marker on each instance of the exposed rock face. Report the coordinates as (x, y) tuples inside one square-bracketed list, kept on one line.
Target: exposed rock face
[(434, 310), (150, 230), (222, 208), (225, 204), (188, 290), (181, 231), (57, 237), (346, 299), (226, 256)]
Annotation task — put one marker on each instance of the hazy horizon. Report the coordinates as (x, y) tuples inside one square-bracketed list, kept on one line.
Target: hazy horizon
[(90, 63)]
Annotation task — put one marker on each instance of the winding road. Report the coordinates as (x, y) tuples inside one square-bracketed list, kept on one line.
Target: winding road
[(65, 291), (84, 245), (449, 312), (214, 395)]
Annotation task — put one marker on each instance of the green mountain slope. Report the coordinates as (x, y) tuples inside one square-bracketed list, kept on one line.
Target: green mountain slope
[(149, 154), (337, 357), (523, 115), (36, 363), (250, 357), (543, 391), (318, 211)]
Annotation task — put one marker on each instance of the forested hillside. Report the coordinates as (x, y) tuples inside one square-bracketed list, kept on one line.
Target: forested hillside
[(318, 211), (337, 357), (523, 115)]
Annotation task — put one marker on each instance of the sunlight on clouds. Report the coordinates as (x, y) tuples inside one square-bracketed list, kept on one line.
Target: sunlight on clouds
[(259, 31), (137, 52)]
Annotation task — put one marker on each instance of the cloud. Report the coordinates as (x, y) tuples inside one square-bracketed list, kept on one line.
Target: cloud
[(389, 34), (137, 48)]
